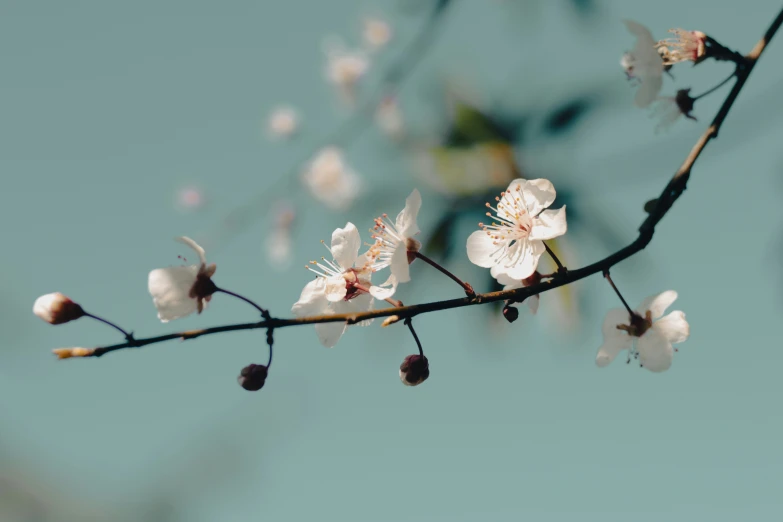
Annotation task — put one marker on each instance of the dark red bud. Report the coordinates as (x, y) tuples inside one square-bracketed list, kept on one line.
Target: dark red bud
[(253, 377), (510, 313), (414, 370)]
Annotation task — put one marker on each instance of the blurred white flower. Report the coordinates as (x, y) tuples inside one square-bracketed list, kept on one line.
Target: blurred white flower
[(331, 181), (341, 285), (344, 68), (686, 46), (669, 109), (279, 242), (514, 244), (643, 64), (395, 246), (190, 198), (283, 122), (650, 341), (377, 33), (388, 117), (178, 291)]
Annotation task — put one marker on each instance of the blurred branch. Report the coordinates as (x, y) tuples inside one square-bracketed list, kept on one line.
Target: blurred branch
[(657, 211), (351, 128)]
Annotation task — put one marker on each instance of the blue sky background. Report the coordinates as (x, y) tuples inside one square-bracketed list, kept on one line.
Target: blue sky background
[(108, 108)]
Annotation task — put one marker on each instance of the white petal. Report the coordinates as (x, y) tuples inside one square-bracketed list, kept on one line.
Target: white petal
[(655, 351), (528, 263), (648, 90), (508, 282), (345, 245), (615, 340), (657, 304), (532, 303), (406, 220), (400, 268), (480, 249), (550, 224), (170, 290), (312, 301), (643, 35), (538, 194), (361, 303), (673, 327), (336, 288), (330, 333), (195, 246)]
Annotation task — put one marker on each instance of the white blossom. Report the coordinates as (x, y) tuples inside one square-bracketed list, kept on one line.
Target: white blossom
[(395, 246), (283, 122), (178, 291), (646, 334), (340, 287), (389, 119), (331, 181), (376, 33), (514, 243), (686, 46), (345, 68), (643, 64)]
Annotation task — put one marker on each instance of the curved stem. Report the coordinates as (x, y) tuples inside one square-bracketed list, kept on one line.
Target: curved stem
[(409, 324), (127, 335), (264, 311), (609, 278), (560, 267), (465, 286), (710, 91)]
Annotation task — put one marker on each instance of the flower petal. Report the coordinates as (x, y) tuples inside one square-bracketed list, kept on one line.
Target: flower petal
[(655, 351), (330, 333), (336, 288), (528, 262), (532, 303), (644, 37), (538, 194), (648, 90), (386, 290), (170, 290), (195, 246), (400, 268), (481, 248), (361, 303), (549, 224), (313, 300), (345, 245), (657, 304), (673, 327), (406, 220), (615, 340)]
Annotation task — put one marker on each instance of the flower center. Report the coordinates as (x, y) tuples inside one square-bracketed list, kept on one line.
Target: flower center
[(639, 325)]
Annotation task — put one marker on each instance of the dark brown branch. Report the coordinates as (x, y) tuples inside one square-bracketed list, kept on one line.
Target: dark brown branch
[(668, 196)]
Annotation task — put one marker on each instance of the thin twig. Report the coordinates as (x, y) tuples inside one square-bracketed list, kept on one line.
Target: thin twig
[(616, 291), (264, 311), (127, 335), (560, 267), (409, 324), (465, 286), (669, 195)]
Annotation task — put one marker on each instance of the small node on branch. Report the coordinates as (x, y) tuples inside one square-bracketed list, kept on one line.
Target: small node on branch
[(67, 353), (253, 376), (391, 320), (650, 205), (414, 370)]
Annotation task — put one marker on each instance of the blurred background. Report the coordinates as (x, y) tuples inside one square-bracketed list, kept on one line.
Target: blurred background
[(125, 124)]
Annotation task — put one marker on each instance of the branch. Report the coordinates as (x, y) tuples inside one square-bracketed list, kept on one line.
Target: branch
[(668, 196)]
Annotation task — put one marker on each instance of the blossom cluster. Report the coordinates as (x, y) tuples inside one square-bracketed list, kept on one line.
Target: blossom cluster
[(645, 64)]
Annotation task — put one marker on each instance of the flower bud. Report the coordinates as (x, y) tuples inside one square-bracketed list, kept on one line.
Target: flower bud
[(414, 370), (511, 313), (390, 320), (56, 308), (67, 353), (252, 377)]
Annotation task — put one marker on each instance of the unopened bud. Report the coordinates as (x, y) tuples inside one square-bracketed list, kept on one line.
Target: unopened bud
[(510, 313), (252, 377), (56, 308), (414, 370), (685, 103), (390, 320), (67, 353)]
